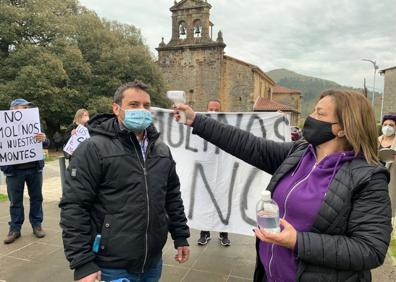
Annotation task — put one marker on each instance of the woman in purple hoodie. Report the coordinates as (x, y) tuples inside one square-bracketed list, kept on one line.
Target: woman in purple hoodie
[(331, 191)]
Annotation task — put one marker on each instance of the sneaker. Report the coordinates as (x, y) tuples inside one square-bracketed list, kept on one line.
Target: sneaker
[(12, 236), (223, 237), (38, 232), (204, 238)]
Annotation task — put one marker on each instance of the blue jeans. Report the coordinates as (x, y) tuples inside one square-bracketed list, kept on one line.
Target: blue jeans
[(152, 275), (15, 187)]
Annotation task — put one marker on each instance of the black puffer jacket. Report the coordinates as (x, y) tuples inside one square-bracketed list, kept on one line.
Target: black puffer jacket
[(351, 233), (132, 203)]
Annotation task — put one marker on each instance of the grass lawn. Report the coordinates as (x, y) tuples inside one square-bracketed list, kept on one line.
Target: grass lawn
[(49, 158), (3, 197), (392, 247)]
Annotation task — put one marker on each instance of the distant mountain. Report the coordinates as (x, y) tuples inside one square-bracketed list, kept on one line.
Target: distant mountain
[(310, 87)]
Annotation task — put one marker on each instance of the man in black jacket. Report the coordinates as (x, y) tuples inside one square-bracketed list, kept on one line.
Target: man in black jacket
[(122, 196)]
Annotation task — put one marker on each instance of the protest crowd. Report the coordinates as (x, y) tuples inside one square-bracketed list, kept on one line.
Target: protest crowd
[(333, 183)]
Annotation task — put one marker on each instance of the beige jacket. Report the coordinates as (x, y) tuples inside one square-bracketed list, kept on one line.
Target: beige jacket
[(393, 146)]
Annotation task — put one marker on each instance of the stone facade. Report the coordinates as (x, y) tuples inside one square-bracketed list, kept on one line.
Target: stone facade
[(389, 90), (286, 96), (242, 85), (288, 99), (198, 73), (192, 61)]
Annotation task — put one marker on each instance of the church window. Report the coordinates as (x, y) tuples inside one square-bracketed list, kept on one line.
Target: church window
[(182, 30), (197, 29)]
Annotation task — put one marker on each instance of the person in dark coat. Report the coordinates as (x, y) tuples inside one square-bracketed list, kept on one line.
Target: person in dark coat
[(17, 175), (58, 140), (122, 196), (81, 117), (204, 236), (335, 211)]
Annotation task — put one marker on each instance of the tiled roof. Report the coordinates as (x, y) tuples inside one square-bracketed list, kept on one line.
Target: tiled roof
[(264, 104), (284, 90)]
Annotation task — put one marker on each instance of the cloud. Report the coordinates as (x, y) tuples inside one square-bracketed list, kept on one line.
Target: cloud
[(325, 39)]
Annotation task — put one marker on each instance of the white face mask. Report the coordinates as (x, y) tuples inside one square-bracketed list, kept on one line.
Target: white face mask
[(388, 130)]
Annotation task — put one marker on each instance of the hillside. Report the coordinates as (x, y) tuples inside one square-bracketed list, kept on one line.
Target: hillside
[(310, 87)]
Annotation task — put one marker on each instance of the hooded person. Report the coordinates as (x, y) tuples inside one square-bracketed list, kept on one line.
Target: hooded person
[(334, 207), (122, 196)]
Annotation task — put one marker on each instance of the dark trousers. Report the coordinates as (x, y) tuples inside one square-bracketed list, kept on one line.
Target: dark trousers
[(15, 187), (121, 275), (58, 145)]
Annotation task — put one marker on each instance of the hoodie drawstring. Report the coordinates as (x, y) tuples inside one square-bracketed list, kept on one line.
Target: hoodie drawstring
[(336, 165)]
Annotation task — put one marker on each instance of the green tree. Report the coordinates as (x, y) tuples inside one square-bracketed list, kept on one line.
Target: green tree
[(63, 57)]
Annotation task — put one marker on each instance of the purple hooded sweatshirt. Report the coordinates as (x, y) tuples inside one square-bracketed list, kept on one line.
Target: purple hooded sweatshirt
[(299, 195)]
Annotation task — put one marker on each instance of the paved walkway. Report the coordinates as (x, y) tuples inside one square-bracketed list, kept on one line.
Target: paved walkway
[(31, 259)]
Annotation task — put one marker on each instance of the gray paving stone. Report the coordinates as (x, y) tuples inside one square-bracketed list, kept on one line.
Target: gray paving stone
[(173, 273), (238, 279), (30, 259), (243, 268), (201, 276), (33, 251), (11, 267), (215, 264), (36, 271)]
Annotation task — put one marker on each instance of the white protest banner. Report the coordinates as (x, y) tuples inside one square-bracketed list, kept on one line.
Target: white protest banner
[(219, 191), (81, 135), (17, 131)]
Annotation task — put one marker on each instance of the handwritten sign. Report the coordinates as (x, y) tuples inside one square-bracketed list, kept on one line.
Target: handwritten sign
[(219, 191), (17, 136), (76, 139)]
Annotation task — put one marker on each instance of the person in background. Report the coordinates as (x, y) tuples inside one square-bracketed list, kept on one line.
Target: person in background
[(17, 175), (58, 140), (213, 106), (295, 133), (80, 117), (388, 140), (332, 192)]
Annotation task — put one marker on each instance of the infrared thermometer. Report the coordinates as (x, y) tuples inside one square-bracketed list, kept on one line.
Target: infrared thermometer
[(178, 97)]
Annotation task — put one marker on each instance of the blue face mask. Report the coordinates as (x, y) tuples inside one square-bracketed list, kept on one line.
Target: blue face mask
[(137, 120)]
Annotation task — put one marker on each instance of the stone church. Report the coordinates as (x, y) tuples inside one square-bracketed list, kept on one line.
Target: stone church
[(195, 62)]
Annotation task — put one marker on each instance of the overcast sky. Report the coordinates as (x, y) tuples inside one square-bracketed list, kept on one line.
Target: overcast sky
[(321, 38)]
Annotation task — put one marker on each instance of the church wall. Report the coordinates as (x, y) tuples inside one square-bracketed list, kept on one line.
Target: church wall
[(196, 71), (292, 100), (237, 86), (262, 87)]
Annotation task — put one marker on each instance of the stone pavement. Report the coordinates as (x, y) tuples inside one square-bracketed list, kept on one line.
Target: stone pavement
[(31, 259)]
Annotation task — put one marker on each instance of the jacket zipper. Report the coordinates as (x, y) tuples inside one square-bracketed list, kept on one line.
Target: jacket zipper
[(148, 217), (284, 215), (147, 199)]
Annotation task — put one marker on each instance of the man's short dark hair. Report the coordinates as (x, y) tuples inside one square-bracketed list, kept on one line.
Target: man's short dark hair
[(214, 100), (137, 84)]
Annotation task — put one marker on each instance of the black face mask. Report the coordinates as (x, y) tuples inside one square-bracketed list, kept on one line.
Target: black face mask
[(317, 132)]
